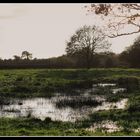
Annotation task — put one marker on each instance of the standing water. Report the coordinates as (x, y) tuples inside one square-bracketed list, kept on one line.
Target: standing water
[(45, 107)]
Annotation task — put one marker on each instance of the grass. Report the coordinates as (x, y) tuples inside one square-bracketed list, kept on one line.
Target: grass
[(77, 102), (36, 127), (45, 82)]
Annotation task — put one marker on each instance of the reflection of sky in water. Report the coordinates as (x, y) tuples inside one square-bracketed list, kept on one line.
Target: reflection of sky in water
[(44, 107)]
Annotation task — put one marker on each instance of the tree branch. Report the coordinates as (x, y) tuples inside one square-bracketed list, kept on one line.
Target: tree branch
[(117, 35)]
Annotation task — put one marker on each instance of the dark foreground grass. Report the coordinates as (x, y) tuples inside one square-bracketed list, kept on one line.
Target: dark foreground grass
[(36, 127)]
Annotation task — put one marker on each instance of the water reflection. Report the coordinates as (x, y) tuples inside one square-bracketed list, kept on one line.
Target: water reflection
[(45, 107)]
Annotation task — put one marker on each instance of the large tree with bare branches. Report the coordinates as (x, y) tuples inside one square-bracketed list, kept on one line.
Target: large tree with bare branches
[(86, 42), (120, 18)]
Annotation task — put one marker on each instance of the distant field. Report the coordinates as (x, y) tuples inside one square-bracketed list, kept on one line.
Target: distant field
[(33, 82), (29, 83)]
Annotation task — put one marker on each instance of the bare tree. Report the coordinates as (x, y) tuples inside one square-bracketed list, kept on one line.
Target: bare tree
[(87, 41), (120, 18)]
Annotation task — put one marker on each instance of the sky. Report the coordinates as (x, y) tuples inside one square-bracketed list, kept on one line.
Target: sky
[(43, 29)]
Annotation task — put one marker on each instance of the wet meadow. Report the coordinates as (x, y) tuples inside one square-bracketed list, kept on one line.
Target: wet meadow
[(69, 102)]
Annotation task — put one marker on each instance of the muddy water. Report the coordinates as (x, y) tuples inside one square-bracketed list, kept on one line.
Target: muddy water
[(44, 107)]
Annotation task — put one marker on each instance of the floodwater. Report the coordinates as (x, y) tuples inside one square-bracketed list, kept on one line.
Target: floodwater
[(108, 126), (46, 107)]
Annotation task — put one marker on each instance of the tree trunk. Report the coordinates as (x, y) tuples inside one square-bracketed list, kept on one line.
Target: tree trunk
[(88, 58)]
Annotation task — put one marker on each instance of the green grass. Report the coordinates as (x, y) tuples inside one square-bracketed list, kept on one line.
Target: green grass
[(35, 127), (45, 82), (74, 103)]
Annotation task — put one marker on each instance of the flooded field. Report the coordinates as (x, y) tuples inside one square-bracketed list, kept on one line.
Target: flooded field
[(64, 107), (69, 102)]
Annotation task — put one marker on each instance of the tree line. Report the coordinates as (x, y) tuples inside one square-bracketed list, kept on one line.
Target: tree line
[(87, 48)]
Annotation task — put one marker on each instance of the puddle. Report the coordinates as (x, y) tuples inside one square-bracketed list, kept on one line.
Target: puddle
[(43, 107), (46, 107), (104, 84), (137, 130), (107, 106), (105, 126), (116, 90)]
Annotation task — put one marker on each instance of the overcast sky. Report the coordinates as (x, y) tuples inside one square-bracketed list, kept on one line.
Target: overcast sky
[(43, 29)]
